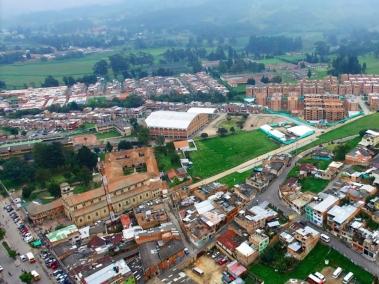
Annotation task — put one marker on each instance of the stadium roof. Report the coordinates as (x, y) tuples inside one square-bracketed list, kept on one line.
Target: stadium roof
[(170, 119)]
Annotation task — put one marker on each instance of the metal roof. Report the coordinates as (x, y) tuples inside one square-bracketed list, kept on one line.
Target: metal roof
[(170, 119)]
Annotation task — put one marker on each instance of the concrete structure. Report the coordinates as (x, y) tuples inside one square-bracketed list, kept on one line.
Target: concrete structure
[(338, 217)]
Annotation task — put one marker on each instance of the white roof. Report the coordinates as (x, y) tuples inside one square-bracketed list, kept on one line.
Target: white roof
[(261, 213), (199, 110), (326, 203), (300, 130), (170, 119), (372, 132), (204, 206), (295, 246), (341, 214), (108, 272), (245, 249)]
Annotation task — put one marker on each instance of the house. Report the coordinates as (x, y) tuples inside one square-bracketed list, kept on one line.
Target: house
[(256, 217), (246, 254), (259, 181), (260, 240), (69, 233), (339, 216), (360, 155), (158, 256), (371, 138), (305, 240), (331, 172), (229, 241), (307, 169), (114, 272)]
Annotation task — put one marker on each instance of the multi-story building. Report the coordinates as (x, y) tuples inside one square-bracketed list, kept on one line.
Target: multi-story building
[(274, 101), (339, 216), (316, 210), (373, 101), (305, 240)]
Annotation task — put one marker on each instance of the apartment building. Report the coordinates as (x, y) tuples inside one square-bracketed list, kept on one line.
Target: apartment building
[(373, 101)]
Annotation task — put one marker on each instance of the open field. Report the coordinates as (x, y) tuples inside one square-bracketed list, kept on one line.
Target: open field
[(372, 63), (16, 75), (108, 134), (217, 154), (235, 178), (349, 129), (312, 263)]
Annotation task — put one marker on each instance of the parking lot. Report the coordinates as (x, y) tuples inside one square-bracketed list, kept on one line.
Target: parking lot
[(21, 238), (212, 270)]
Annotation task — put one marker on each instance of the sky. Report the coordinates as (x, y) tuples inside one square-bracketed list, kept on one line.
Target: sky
[(17, 7)]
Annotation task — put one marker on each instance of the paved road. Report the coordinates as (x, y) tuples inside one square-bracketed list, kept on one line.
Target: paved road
[(14, 239), (364, 106)]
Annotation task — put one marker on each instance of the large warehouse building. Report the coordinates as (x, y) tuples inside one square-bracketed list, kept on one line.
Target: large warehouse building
[(175, 125)]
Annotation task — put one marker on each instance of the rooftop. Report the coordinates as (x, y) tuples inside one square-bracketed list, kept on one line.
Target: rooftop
[(61, 234), (170, 119), (341, 214)]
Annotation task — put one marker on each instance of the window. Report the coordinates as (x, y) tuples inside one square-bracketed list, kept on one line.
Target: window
[(97, 214), (89, 217)]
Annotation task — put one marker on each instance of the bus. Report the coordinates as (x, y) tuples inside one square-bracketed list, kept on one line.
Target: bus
[(198, 271), (314, 280), (348, 278)]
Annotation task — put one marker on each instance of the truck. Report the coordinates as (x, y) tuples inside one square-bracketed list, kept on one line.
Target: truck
[(30, 257)]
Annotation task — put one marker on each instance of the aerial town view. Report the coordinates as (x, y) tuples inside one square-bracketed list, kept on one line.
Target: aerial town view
[(189, 142)]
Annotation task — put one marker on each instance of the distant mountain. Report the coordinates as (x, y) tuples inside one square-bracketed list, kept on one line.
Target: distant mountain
[(255, 15)]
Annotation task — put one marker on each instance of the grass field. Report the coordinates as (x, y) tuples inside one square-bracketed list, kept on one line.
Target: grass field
[(234, 178), (372, 63), (107, 135), (312, 263), (217, 154), (16, 75), (313, 184), (349, 129)]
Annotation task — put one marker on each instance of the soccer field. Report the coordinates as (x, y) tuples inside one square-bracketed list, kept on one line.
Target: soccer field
[(217, 154)]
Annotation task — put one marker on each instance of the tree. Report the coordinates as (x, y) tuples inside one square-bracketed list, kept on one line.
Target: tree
[(69, 81), (362, 132), (345, 64), (309, 74), (108, 147), (54, 190), (340, 152), (265, 79), (160, 140), (26, 277), (87, 158), (2, 85), (232, 130), (17, 171), (84, 175), (48, 155), (204, 135), (27, 191), (222, 131), (251, 81), (124, 145), (101, 68), (133, 101), (50, 81), (143, 135)]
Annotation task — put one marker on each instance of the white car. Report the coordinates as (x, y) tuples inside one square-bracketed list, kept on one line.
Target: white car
[(1, 268), (28, 239)]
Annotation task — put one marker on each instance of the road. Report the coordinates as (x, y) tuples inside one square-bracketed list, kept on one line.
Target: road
[(256, 161), (15, 241)]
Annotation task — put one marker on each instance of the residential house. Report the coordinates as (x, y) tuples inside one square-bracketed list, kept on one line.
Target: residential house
[(339, 216), (305, 240), (316, 211), (360, 155)]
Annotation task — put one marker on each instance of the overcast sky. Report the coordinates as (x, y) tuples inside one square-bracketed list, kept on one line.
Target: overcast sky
[(16, 7)]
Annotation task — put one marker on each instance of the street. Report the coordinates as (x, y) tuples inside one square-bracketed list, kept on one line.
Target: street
[(13, 268)]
